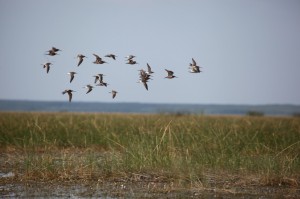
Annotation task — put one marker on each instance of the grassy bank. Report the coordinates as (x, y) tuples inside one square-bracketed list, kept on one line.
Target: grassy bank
[(186, 151)]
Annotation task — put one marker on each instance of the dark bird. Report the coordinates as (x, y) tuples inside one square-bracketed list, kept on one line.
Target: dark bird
[(131, 62), (51, 53), (98, 60), (114, 93), (55, 49), (89, 87), (80, 58), (72, 74), (170, 74), (69, 91), (98, 77), (144, 78), (47, 66), (111, 56)]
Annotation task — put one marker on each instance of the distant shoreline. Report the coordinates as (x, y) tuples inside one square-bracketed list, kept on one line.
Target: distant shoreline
[(148, 108)]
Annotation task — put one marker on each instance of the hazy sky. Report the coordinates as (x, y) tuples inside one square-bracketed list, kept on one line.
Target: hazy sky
[(249, 49)]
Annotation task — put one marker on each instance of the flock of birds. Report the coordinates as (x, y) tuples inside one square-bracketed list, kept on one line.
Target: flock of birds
[(144, 75)]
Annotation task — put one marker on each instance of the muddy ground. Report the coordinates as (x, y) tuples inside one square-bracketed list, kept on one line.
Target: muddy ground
[(138, 189)]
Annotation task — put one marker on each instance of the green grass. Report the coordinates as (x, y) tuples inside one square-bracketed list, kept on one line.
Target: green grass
[(186, 149)]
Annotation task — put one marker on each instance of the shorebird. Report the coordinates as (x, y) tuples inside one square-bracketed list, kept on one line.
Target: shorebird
[(170, 74), (89, 87), (149, 71), (129, 57), (55, 49), (114, 93), (194, 68), (51, 52), (69, 91), (111, 56), (98, 60), (98, 77), (144, 77), (131, 61), (72, 74), (47, 66), (80, 57)]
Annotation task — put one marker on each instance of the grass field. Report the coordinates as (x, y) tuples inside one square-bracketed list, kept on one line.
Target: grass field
[(183, 151)]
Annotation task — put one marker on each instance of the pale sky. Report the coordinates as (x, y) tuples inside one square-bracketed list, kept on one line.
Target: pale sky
[(249, 50)]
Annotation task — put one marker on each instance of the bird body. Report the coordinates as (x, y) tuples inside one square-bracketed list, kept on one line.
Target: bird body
[(72, 74), (98, 77), (131, 62), (170, 74), (80, 58), (69, 91), (51, 53), (47, 66), (55, 49), (194, 68), (98, 60), (89, 87), (114, 93)]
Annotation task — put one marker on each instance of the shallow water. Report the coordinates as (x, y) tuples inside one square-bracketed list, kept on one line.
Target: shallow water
[(133, 190)]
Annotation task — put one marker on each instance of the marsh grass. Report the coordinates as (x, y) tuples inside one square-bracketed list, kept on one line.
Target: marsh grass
[(187, 150)]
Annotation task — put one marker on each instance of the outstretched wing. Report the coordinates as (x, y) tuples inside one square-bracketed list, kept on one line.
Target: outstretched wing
[(80, 61), (194, 62)]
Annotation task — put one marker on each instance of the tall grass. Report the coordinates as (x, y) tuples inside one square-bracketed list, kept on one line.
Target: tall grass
[(185, 148)]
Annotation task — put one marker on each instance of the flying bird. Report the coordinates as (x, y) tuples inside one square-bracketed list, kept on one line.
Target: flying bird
[(55, 49), (80, 58), (114, 93), (69, 91), (193, 67), (149, 71), (51, 53), (47, 66), (131, 62), (98, 60), (98, 77), (89, 87), (111, 56), (144, 78), (72, 74), (170, 74), (129, 57)]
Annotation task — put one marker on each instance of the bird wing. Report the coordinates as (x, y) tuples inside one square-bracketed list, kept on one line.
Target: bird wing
[(146, 85), (170, 73), (90, 89), (96, 78), (149, 68), (80, 61), (194, 62), (70, 96), (48, 68), (97, 57), (72, 77)]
